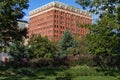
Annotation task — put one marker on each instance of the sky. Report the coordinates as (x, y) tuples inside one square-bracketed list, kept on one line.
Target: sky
[(33, 4)]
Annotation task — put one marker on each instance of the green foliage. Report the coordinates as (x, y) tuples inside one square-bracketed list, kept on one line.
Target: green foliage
[(18, 48), (83, 71), (104, 42), (95, 78), (10, 12), (25, 72), (81, 44), (66, 43), (41, 47), (73, 51), (54, 78), (52, 73), (104, 38), (84, 3), (40, 62), (19, 53), (100, 6)]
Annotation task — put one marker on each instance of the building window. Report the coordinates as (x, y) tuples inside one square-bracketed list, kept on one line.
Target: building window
[(61, 22), (61, 27), (57, 26), (61, 32), (56, 36), (56, 11), (56, 31), (56, 16)]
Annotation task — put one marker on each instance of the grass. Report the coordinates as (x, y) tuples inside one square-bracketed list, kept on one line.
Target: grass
[(55, 73), (54, 78), (95, 78), (28, 78)]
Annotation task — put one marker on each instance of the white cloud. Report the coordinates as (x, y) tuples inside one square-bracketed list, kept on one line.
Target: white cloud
[(26, 18)]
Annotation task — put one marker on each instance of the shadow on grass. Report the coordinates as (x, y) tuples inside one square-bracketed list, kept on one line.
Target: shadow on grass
[(49, 71), (19, 78), (35, 78), (30, 73), (109, 71)]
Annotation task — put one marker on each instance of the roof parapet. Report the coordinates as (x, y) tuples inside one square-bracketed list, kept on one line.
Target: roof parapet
[(59, 5)]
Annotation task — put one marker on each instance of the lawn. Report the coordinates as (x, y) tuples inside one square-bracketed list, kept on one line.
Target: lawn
[(95, 78), (55, 73), (54, 78)]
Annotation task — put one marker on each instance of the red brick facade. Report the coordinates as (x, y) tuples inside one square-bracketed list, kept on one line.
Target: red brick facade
[(52, 20)]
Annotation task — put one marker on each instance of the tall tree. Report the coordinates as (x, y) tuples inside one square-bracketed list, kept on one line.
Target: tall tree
[(104, 41), (10, 12), (19, 53), (104, 37), (66, 43), (100, 6), (41, 47)]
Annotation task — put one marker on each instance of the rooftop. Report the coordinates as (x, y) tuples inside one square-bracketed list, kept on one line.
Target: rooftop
[(22, 21), (59, 5)]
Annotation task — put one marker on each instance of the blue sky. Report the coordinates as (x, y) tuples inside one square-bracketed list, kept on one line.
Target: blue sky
[(33, 4)]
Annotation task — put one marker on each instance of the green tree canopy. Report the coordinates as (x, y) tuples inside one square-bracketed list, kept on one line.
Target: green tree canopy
[(104, 37), (100, 6), (10, 12), (18, 51), (67, 42), (41, 47)]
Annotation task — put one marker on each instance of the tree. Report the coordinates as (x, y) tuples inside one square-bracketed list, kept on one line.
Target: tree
[(10, 12), (104, 37), (81, 43), (41, 47), (100, 6), (66, 43), (19, 53), (104, 42)]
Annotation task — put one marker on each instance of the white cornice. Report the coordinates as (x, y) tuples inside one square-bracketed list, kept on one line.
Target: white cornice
[(54, 8), (59, 5)]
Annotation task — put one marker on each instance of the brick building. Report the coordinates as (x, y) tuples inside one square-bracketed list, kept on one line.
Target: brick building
[(54, 18)]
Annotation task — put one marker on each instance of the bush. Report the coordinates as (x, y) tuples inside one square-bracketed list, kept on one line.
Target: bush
[(82, 71), (86, 59), (40, 62), (71, 60), (79, 71), (44, 62), (60, 61), (80, 60)]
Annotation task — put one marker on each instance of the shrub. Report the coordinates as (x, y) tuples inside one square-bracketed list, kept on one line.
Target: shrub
[(86, 59), (80, 60), (82, 71), (60, 61), (40, 62)]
